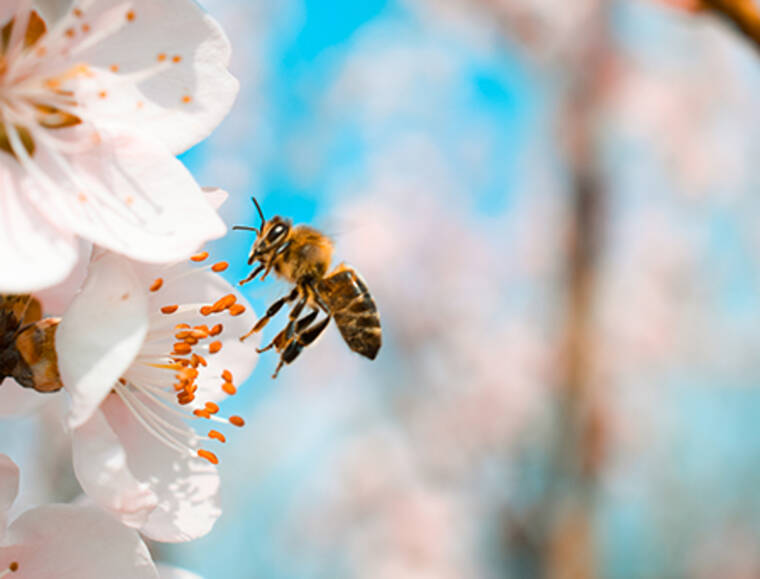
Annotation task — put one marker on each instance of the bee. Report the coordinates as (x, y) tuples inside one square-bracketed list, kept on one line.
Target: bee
[(27, 350), (301, 256)]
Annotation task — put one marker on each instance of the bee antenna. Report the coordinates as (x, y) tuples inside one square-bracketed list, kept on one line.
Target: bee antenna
[(246, 228), (261, 213)]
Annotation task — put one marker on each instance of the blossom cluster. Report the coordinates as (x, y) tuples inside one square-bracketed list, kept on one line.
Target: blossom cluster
[(107, 298)]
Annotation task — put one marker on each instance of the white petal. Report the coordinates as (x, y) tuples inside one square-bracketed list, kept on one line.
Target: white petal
[(215, 196), (34, 253), (168, 572), (68, 542), (7, 10), (100, 334), (100, 464), (56, 299), (9, 476), (187, 488), (172, 28), (15, 400), (129, 195)]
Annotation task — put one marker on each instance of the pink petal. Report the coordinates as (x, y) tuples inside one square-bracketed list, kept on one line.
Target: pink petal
[(9, 476), (34, 253), (184, 102), (187, 488), (168, 572), (215, 196), (100, 464), (127, 194), (68, 542), (57, 298), (100, 334)]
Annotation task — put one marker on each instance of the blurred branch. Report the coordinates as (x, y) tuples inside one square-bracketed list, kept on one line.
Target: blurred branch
[(579, 449)]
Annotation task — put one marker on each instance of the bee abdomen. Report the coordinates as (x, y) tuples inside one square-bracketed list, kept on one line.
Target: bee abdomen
[(353, 310)]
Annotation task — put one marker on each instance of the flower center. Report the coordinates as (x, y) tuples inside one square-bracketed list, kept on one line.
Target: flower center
[(177, 355), (27, 100)]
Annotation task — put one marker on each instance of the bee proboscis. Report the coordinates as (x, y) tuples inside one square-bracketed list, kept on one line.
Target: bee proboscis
[(301, 256)]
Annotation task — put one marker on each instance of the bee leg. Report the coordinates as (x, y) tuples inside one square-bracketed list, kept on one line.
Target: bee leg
[(281, 339), (299, 342), (271, 312), (252, 275)]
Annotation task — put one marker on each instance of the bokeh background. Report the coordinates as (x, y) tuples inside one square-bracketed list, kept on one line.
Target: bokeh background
[(556, 207)]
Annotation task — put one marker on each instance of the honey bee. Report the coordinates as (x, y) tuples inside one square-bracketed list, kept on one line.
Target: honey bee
[(27, 350), (301, 256)]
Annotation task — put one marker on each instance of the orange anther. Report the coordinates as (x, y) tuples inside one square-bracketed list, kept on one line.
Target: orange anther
[(131, 15), (237, 309), (237, 421), (181, 326), (176, 58), (182, 334), (197, 359), (156, 285), (187, 98), (229, 388), (207, 310), (114, 68), (212, 407), (224, 302), (70, 32), (217, 435), (191, 340), (184, 399), (227, 376), (216, 330), (78, 12), (214, 347), (209, 456), (102, 94), (13, 566), (199, 334), (169, 309), (182, 348), (202, 413), (199, 256), (220, 266), (85, 27)]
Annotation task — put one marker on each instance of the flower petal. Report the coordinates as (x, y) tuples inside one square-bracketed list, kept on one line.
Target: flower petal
[(34, 254), (9, 475), (187, 488), (55, 299), (126, 194), (183, 101), (100, 464), (168, 572), (68, 542), (100, 334)]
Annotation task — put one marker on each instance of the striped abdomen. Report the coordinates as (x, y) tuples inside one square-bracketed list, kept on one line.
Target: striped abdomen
[(353, 310)]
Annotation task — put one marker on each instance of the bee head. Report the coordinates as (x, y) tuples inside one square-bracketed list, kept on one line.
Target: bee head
[(270, 235)]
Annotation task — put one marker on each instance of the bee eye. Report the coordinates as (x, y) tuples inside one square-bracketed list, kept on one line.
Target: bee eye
[(276, 232)]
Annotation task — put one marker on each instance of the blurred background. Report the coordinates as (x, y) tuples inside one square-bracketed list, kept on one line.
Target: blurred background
[(557, 213), (555, 206)]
